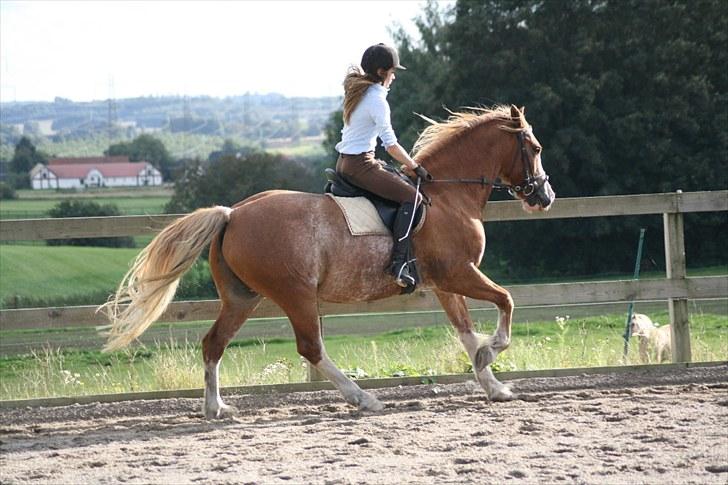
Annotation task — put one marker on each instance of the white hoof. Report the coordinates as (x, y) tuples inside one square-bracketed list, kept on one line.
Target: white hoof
[(501, 393), (368, 402), (220, 411)]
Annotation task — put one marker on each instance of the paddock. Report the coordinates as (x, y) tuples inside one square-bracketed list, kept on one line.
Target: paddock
[(658, 425), (647, 425)]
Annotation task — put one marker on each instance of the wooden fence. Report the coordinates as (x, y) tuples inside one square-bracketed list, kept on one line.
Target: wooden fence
[(676, 288)]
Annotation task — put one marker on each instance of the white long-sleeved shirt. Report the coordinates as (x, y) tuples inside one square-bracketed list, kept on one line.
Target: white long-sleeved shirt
[(370, 119)]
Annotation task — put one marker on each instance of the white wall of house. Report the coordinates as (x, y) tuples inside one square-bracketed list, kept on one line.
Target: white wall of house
[(70, 183), (44, 179)]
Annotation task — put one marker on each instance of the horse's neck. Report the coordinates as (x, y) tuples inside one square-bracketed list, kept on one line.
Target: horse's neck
[(464, 160)]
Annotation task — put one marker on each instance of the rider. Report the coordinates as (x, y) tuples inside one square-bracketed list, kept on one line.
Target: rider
[(366, 117)]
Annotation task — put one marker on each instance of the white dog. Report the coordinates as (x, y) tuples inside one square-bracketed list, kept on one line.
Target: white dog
[(654, 340)]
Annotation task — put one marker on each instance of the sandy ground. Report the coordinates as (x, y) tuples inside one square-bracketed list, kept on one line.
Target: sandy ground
[(631, 428)]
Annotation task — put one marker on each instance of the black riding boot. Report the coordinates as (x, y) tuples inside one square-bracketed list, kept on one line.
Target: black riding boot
[(402, 259)]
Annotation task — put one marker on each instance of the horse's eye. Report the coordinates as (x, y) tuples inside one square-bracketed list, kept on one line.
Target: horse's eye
[(537, 149)]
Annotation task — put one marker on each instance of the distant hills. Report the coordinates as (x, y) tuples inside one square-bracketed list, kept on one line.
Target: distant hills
[(252, 117)]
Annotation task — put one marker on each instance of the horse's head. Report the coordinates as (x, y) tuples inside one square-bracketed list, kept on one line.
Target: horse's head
[(491, 147), (524, 175)]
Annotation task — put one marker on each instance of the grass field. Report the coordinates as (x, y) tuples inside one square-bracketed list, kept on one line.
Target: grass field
[(578, 342), (38, 276), (60, 273)]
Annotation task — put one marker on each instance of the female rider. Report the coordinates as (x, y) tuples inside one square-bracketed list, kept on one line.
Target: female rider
[(366, 117)]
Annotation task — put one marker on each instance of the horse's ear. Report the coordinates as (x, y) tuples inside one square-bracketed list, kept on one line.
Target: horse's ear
[(515, 114), (523, 110)]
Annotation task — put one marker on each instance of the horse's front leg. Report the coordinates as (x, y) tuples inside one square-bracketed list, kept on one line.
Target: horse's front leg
[(481, 349)]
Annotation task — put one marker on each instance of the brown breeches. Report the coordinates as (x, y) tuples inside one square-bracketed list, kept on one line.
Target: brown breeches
[(368, 173)]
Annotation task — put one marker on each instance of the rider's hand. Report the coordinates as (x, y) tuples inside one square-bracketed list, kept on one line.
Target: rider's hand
[(422, 173)]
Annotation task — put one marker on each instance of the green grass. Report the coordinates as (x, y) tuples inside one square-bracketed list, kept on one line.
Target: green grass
[(60, 273), (38, 276), (582, 342)]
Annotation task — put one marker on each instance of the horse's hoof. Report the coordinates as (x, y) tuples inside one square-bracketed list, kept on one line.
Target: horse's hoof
[(370, 403), (221, 412), (502, 394)]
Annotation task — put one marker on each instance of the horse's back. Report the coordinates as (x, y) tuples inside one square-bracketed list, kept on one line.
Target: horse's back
[(283, 241)]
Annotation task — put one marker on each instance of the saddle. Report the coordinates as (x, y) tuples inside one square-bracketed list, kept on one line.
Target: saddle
[(337, 185)]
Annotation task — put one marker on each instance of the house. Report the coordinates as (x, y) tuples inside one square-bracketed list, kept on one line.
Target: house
[(76, 173)]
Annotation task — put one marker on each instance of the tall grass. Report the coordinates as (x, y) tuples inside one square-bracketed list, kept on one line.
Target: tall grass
[(582, 342)]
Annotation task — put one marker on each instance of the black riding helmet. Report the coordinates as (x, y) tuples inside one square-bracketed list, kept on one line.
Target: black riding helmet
[(380, 56)]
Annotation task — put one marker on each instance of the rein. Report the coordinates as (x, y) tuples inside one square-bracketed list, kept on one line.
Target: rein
[(483, 181)]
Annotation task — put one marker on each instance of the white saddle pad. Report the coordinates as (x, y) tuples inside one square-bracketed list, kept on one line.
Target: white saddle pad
[(362, 217)]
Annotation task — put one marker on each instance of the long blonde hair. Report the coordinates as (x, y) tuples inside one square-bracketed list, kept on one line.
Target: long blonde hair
[(356, 84)]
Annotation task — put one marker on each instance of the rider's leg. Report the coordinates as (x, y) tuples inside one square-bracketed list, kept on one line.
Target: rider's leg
[(402, 252), (368, 173)]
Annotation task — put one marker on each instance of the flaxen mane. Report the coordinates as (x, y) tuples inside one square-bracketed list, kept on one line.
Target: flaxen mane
[(440, 133)]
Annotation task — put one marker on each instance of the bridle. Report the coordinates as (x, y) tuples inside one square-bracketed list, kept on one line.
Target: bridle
[(528, 187)]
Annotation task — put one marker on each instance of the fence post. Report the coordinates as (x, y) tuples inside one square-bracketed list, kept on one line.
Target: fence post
[(676, 270), (313, 374)]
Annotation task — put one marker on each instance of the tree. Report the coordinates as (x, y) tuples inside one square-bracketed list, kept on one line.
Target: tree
[(145, 148), (332, 135), (230, 149), (231, 179), (24, 159)]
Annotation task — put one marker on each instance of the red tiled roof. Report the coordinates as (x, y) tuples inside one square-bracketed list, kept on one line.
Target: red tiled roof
[(96, 160), (80, 170)]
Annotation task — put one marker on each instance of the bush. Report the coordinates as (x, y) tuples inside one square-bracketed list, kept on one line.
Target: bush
[(82, 208), (197, 283), (230, 179), (7, 191)]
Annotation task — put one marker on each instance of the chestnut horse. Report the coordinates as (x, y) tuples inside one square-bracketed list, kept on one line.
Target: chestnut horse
[(295, 249)]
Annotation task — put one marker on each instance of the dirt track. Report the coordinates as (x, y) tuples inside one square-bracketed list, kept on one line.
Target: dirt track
[(628, 428)]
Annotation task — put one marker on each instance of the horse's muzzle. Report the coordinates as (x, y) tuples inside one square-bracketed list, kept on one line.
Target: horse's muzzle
[(542, 197)]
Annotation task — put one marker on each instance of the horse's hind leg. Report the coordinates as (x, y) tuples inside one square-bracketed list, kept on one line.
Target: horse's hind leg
[(482, 350), (305, 320), (238, 302)]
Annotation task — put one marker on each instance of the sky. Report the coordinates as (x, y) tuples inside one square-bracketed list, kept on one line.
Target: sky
[(94, 50)]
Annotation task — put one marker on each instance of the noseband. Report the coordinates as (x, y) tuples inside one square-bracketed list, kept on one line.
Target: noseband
[(528, 187)]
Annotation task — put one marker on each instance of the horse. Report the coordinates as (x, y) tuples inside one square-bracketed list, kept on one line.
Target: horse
[(295, 249)]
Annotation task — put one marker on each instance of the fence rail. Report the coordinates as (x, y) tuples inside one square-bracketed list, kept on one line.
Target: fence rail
[(575, 207), (422, 300), (676, 288)]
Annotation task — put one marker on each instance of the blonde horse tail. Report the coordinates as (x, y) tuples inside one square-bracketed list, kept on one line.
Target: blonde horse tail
[(149, 286)]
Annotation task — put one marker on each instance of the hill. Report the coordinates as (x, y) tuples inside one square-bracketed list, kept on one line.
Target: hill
[(254, 118)]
